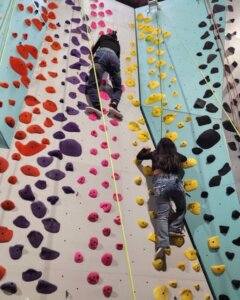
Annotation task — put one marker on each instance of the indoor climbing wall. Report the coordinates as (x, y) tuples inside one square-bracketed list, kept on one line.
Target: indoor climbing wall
[(181, 79), (77, 218)]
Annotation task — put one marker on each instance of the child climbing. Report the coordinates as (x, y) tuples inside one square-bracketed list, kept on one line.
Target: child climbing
[(106, 53), (167, 186)]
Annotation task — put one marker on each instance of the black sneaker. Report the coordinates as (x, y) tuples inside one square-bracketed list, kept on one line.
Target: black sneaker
[(97, 107), (175, 233), (114, 105)]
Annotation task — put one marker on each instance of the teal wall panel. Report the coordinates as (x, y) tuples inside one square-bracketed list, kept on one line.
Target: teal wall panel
[(191, 31)]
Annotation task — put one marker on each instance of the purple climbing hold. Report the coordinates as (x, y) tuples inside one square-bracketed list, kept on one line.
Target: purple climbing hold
[(81, 105), (58, 24), (59, 135), (69, 2), (44, 161), (71, 127), (41, 184), (60, 117), (76, 30), (85, 18), (51, 225), (76, 20), (16, 251), (53, 199), (75, 53), (48, 254), (69, 166), (70, 147), (85, 50), (71, 111), (61, 100), (55, 174), (76, 8), (68, 190), (21, 222), (9, 287), (82, 88), (84, 63), (84, 28), (72, 95), (56, 153), (43, 286), (65, 45), (35, 238), (67, 22), (73, 80), (26, 193), (66, 30), (75, 41), (31, 275), (56, 36), (84, 36), (75, 66), (39, 209), (84, 76)]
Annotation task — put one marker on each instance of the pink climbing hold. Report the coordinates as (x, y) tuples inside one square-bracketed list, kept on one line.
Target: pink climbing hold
[(93, 25), (120, 197), (101, 32), (93, 217), (114, 122), (102, 127), (123, 88), (93, 13), (101, 14), (119, 246), (78, 257), (104, 145), (108, 12), (106, 206), (109, 30), (116, 176), (92, 117), (93, 151), (94, 172), (114, 138), (107, 291), (105, 184), (115, 155), (81, 180), (94, 133), (106, 231), (93, 6), (101, 4), (117, 220), (93, 278), (104, 95), (104, 163), (93, 243), (93, 193), (107, 259), (101, 23)]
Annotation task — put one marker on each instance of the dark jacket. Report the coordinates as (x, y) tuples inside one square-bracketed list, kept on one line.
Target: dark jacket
[(144, 154), (107, 41)]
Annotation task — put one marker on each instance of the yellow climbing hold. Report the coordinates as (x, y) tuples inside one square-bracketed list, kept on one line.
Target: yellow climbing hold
[(177, 241), (148, 28), (140, 26), (143, 136), (131, 25), (152, 214), (158, 41), (180, 125), (151, 60), (165, 102), (218, 270), (142, 223), (133, 126), (178, 106), (133, 52), (140, 201), (139, 17), (174, 94), (130, 82), (156, 111), (150, 49), (147, 171), (169, 118), (186, 294), (171, 68), (149, 38), (183, 144), (157, 30), (166, 34), (181, 266), (151, 71), (197, 286), (190, 162), (188, 119), (196, 267), (156, 97), (153, 84), (141, 35), (134, 143), (160, 52), (194, 207), (133, 44), (160, 63), (138, 180), (130, 96), (128, 58), (214, 242), (141, 121), (190, 185), (172, 135), (190, 254), (172, 283), (162, 75), (207, 297), (135, 102), (160, 293), (173, 79), (147, 19), (152, 237)]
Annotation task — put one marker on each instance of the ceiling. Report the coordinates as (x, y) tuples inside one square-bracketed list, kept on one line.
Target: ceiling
[(135, 3)]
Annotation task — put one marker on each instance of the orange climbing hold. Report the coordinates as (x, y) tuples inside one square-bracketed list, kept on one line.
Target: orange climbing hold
[(52, 25), (56, 46), (45, 50), (3, 164), (12, 179), (22, 51), (30, 66), (25, 117), (20, 135), (31, 148), (51, 15), (48, 38), (7, 205), (16, 156), (54, 60), (52, 5), (30, 9), (31, 100), (28, 22), (11, 102), (5, 234), (4, 85), (43, 64), (53, 74), (29, 170), (48, 122), (50, 89), (20, 6), (14, 34), (18, 65), (45, 141), (36, 111), (41, 77), (10, 121), (25, 81), (37, 23), (44, 10), (50, 106), (35, 128), (32, 50), (16, 83), (2, 272), (44, 17)]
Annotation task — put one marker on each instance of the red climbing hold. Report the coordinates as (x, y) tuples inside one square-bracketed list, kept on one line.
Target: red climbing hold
[(20, 6), (22, 51), (29, 170), (25, 81), (35, 128), (56, 46), (52, 5), (31, 100), (32, 50), (48, 122), (10, 121), (20, 135), (8, 205), (18, 65), (41, 77), (12, 179), (16, 156), (31, 148), (25, 117), (49, 106), (5, 234), (16, 83), (50, 89), (53, 74), (2, 272), (3, 164), (37, 23)]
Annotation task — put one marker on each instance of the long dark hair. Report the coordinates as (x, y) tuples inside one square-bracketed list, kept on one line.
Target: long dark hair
[(166, 157)]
